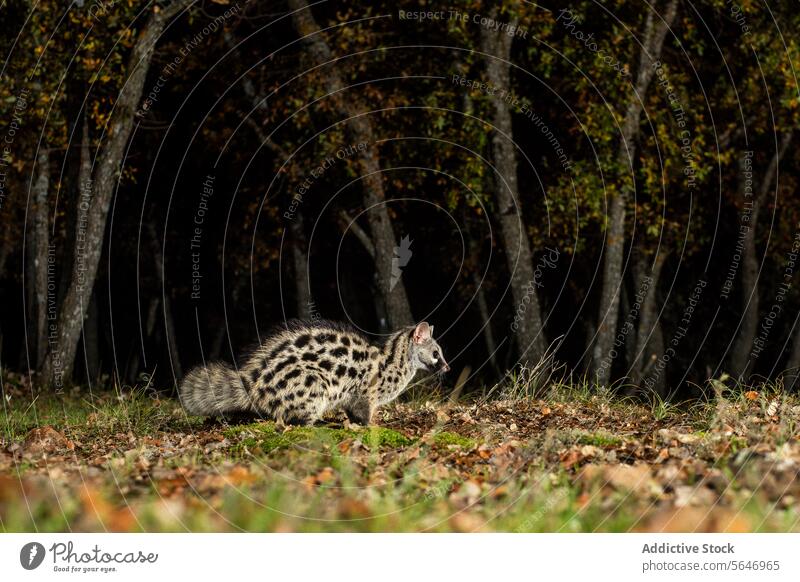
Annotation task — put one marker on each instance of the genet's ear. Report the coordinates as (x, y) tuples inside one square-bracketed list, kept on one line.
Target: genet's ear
[(422, 332), (431, 332)]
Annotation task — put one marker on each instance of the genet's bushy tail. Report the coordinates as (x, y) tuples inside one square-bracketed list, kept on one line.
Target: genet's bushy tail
[(213, 389)]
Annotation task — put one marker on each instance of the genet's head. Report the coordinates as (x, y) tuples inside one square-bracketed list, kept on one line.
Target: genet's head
[(424, 352)]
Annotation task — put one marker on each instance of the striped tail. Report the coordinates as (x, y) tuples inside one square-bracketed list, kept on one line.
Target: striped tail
[(213, 389)]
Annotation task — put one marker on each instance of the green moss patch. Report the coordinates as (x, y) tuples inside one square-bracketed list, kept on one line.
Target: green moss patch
[(267, 437), (378, 436), (445, 438), (598, 439)]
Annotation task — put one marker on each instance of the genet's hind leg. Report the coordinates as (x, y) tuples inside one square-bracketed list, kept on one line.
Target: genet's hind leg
[(304, 412), (359, 411)]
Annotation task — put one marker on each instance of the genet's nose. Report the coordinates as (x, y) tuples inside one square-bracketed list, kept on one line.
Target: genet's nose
[(444, 367)]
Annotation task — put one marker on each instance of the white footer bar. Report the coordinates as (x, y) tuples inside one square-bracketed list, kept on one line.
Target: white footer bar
[(389, 557)]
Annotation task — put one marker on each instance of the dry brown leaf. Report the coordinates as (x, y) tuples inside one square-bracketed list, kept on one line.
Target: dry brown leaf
[(499, 492), (321, 478), (696, 519), (467, 494), (570, 458), (466, 522), (686, 495), (240, 476), (46, 440), (354, 509), (635, 478)]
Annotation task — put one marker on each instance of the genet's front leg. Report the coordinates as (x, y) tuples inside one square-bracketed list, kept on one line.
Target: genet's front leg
[(360, 412)]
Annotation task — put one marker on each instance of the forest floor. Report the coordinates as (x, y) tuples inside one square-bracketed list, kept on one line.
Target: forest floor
[(572, 461)]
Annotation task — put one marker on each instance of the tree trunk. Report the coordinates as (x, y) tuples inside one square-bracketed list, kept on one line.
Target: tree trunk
[(360, 130), (41, 245), (791, 377), (748, 324), (172, 338), (649, 336), (513, 232), (302, 281), (169, 321), (653, 42), (149, 326), (95, 200), (6, 246), (27, 353), (91, 339), (486, 321)]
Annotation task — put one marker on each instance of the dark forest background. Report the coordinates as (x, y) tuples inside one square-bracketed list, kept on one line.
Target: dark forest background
[(616, 181)]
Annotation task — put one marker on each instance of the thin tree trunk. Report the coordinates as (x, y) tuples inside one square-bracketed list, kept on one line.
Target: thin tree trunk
[(216, 345), (743, 346), (791, 377), (488, 335), (149, 327), (172, 339), (223, 330), (41, 243), (96, 198), (5, 251), (91, 339), (300, 264), (513, 232), (653, 42), (649, 336), (360, 130), (169, 321), (27, 355)]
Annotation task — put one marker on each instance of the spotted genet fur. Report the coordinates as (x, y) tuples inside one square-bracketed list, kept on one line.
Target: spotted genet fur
[(306, 369)]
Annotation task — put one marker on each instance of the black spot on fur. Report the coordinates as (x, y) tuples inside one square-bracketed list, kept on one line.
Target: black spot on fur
[(282, 364), (345, 340), (310, 357), (325, 338), (393, 346), (352, 372), (292, 375), (303, 340), (326, 365), (338, 352), (359, 356), (310, 380), (280, 347), (341, 370)]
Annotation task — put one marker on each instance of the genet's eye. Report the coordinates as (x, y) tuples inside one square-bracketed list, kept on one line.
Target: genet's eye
[(435, 355)]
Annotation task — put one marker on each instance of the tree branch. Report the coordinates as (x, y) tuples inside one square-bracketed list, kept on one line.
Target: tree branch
[(348, 223)]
